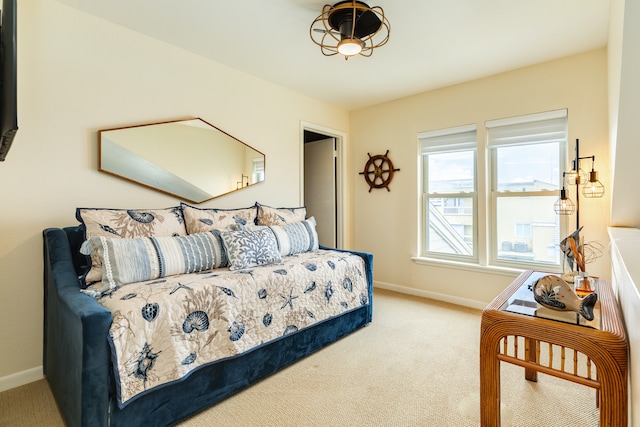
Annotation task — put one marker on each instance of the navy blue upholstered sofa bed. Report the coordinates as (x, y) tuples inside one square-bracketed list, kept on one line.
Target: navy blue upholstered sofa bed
[(78, 359)]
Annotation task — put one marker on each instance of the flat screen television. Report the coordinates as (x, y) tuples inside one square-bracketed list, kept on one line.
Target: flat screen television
[(8, 77)]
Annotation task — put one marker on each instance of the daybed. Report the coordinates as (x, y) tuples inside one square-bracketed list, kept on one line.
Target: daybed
[(85, 361)]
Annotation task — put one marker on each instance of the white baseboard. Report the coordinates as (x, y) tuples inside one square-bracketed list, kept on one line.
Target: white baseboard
[(432, 295), (21, 378)]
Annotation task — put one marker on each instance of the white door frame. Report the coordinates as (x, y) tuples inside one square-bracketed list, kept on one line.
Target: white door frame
[(341, 138)]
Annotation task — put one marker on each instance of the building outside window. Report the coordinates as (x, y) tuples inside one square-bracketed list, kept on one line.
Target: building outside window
[(523, 230)]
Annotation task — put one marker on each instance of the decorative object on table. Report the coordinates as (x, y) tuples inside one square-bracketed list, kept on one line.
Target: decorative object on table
[(350, 28), (582, 284), (553, 292), (577, 254), (378, 171)]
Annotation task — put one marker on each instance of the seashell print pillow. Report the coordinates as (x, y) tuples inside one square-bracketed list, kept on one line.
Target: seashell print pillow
[(247, 249), (296, 237), (156, 257), (199, 220), (126, 224), (280, 216)]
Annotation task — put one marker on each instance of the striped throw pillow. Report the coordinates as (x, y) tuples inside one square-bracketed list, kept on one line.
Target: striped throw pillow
[(296, 237), (146, 258)]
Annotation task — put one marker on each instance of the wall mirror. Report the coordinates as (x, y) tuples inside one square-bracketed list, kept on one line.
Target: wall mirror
[(190, 159)]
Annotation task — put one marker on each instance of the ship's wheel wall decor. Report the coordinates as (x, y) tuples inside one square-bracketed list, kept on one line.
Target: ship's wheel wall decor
[(378, 171)]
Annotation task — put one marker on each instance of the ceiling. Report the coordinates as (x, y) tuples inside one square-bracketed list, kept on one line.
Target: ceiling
[(433, 43)]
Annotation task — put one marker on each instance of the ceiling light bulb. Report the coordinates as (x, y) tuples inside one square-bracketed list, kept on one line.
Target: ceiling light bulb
[(350, 47)]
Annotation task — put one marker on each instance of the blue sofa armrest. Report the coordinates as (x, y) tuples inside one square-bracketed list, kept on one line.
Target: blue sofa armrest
[(76, 355)]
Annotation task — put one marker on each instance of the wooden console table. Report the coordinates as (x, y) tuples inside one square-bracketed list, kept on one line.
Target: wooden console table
[(601, 353)]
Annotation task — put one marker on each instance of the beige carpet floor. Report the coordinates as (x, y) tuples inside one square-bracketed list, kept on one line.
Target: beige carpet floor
[(415, 365)]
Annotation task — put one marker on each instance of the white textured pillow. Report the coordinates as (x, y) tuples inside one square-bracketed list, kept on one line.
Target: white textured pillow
[(296, 237), (135, 260), (250, 248)]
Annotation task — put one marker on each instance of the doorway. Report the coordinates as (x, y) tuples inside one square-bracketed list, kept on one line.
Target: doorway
[(322, 182)]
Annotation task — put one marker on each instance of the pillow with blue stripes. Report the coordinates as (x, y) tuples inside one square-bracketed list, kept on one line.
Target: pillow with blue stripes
[(296, 237), (146, 258)]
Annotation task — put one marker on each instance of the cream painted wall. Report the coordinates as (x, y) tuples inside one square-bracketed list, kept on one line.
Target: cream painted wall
[(385, 223), (78, 74), (624, 87)]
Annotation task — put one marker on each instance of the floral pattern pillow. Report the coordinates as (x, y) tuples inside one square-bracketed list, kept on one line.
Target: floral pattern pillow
[(200, 220), (279, 216), (247, 249), (127, 224)]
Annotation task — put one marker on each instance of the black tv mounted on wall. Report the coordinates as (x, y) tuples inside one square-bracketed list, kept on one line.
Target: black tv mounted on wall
[(8, 77)]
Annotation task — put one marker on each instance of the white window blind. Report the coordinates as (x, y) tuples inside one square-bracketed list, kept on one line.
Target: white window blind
[(451, 139), (537, 128)]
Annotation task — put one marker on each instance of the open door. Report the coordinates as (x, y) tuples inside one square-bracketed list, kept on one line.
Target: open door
[(322, 179)]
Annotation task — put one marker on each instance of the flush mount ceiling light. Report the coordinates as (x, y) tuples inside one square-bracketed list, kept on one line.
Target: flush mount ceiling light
[(350, 28)]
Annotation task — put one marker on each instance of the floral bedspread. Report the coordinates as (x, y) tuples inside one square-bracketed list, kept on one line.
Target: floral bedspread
[(163, 329)]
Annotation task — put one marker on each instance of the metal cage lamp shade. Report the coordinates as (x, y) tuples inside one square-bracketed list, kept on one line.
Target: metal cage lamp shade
[(350, 28), (576, 175), (593, 188), (564, 205)]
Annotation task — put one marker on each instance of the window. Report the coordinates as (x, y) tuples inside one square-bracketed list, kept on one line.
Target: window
[(523, 230), (449, 196), (258, 169), (526, 154), (525, 157)]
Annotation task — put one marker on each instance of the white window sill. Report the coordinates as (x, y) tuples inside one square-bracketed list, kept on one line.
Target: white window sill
[(485, 269)]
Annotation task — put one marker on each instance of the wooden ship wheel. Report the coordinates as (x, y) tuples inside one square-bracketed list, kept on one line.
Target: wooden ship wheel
[(378, 171)]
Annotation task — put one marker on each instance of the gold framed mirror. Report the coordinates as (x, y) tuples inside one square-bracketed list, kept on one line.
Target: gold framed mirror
[(190, 159)]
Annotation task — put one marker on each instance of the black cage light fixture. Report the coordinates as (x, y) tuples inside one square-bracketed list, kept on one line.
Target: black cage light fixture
[(591, 186), (350, 28), (564, 205)]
